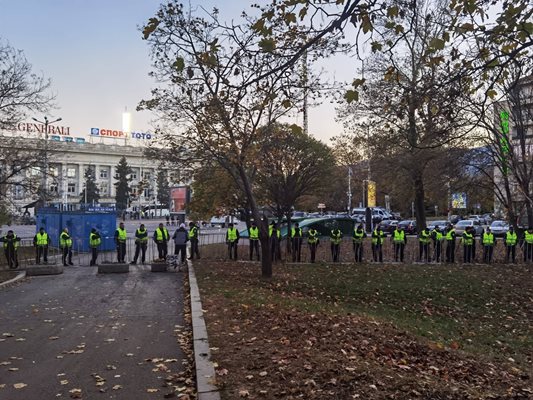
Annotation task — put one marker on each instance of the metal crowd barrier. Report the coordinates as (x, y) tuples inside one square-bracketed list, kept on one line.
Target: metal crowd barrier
[(213, 246), (26, 254)]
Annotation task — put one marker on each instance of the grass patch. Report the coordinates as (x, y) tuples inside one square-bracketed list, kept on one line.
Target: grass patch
[(483, 310)]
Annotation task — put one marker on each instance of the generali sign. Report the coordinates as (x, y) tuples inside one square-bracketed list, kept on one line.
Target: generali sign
[(31, 127)]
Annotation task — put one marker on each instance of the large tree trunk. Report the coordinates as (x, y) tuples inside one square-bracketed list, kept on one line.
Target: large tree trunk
[(529, 211), (266, 261), (420, 212)]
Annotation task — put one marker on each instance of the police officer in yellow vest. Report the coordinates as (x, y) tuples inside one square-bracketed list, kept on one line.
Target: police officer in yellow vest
[(335, 237), (511, 239), (232, 240), (296, 239), (468, 244), (528, 245), (399, 238), (253, 234), (65, 242), (488, 245), (450, 244), (313, 240), (41, 241), (11, 244), (94, 243), (161, 238), (437, 237), (120, 241), (275, 238), (424, 238), (141, 243), (357, 237), (194, 239), (378, 236)]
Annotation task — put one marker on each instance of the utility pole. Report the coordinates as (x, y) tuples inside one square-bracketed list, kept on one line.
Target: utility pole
[(305, 83), (44, 177), (349, 190)]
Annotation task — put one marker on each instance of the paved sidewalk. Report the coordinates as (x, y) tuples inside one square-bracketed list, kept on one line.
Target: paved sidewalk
[(114, 336)]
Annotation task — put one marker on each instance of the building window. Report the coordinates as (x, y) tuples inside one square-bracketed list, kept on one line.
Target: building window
[(103, 187), (54, 171), (133, 175), (103, 173), (18, 192), (53, 188), (71, 188), (71, 172), (147, 175)]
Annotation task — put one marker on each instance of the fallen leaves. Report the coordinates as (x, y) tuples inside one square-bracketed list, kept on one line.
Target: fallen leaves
[(329, 354), (19, 385), (75, 393)]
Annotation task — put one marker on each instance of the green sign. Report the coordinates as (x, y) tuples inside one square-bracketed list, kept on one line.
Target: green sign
[(504, 140)]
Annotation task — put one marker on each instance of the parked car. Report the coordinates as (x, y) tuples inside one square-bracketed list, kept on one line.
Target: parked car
[(499, 228), (440, 223), (478, 218), (299, 214), (464, 223), (487, 218), (409, 226), (223, 221), (454, 219), (389, 225)]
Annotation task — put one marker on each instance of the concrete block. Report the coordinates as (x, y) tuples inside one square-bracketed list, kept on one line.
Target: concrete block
[(112, 268), (44, 269), (159, 267), (208, 396)]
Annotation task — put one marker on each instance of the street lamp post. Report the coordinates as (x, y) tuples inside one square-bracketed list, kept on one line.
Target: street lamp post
[(44, 178)]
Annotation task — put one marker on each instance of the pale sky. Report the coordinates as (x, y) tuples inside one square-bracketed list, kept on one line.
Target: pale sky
[(99, 65)]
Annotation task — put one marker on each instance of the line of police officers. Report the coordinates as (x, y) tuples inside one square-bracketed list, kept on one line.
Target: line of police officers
[(161, 237), (435, 239)]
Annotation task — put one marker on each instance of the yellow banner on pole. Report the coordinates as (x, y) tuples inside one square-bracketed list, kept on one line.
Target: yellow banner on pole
[(371, 190)]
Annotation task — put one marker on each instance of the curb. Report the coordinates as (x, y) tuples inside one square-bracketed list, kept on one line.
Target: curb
[(205, 371), (20, 276)]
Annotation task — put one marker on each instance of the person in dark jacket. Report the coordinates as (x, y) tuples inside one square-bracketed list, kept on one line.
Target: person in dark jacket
[(11, 244), (181, 237)]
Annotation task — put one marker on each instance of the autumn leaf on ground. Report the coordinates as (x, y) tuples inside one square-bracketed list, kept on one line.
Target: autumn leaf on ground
[(19, 385), (75, 393)]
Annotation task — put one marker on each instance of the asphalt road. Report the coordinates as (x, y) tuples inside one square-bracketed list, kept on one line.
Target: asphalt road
[(112, 336)]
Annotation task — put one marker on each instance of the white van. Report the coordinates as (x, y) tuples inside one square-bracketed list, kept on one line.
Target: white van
[(223, 221)]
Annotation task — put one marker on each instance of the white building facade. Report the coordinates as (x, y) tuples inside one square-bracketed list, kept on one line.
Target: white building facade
[(67, 162)]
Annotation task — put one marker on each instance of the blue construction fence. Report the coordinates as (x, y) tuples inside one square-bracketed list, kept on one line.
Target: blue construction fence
[(79, 224)]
